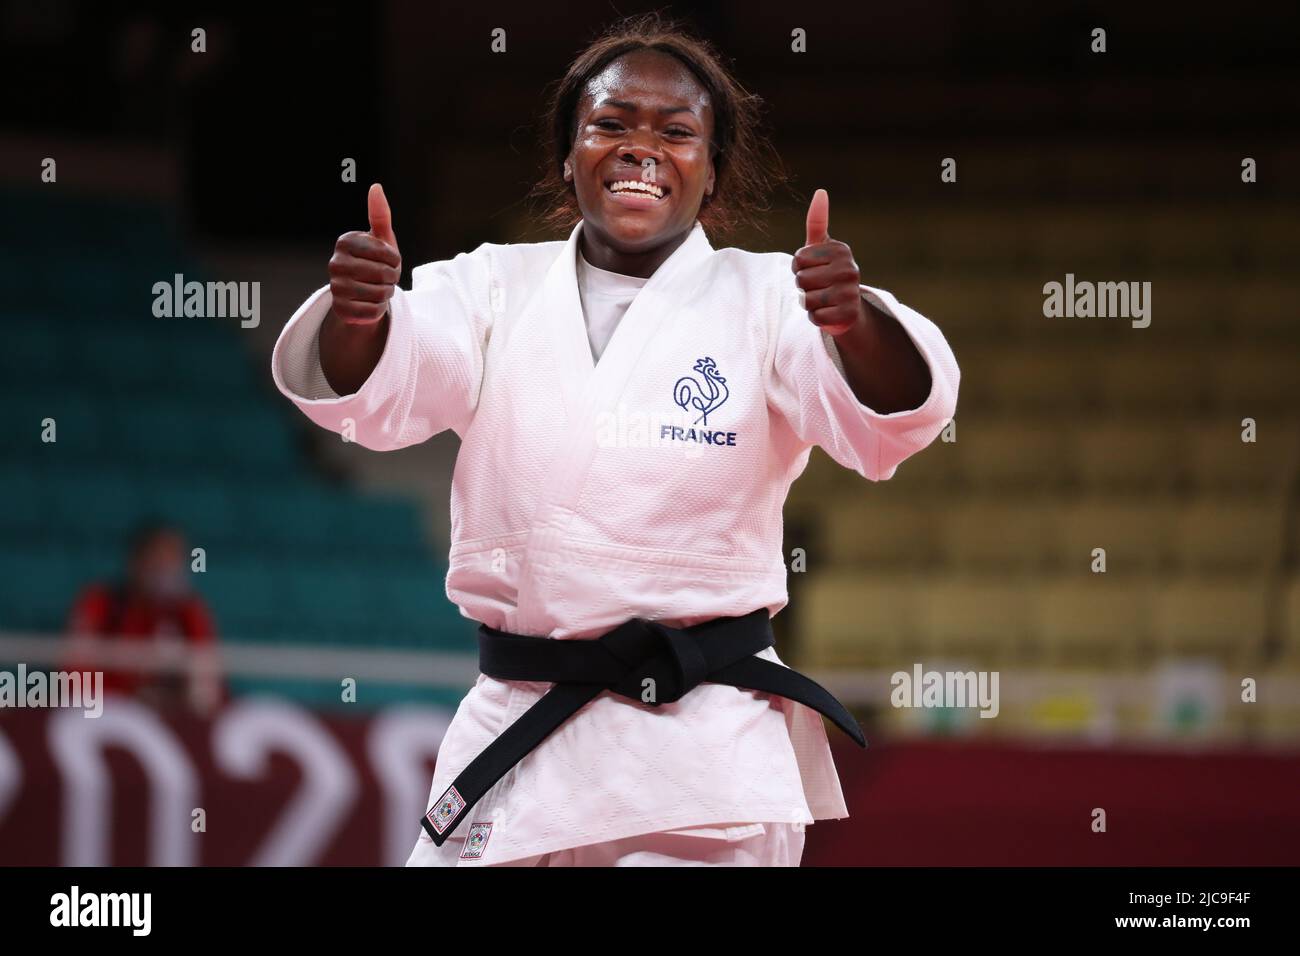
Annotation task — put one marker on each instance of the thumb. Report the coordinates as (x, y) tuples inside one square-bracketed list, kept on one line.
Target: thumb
[(381, 217), (819, 214)]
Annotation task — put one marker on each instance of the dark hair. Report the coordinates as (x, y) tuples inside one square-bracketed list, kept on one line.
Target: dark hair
[(746, 166)]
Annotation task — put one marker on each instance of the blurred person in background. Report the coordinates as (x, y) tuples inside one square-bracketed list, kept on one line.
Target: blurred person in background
[(153, 609)]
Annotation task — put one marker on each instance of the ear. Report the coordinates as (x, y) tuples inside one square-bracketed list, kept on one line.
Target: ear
[(568, 172)]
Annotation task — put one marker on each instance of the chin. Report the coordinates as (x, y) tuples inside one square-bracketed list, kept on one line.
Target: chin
[(638, 232)]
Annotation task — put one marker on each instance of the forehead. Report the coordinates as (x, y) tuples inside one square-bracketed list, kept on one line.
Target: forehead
[(646, 78)]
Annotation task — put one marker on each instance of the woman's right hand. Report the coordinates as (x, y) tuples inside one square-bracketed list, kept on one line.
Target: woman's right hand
[(366, 266), (364, 272)]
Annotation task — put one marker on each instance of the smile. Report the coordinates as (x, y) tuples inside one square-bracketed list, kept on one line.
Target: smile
[(636, 192)]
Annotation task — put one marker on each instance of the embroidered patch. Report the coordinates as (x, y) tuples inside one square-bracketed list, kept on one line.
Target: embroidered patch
[(476, 841), (701, 396), (446, 809)]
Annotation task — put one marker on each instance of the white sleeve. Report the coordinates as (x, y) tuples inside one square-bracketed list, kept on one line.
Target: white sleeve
[(429, 374), (806, 385)]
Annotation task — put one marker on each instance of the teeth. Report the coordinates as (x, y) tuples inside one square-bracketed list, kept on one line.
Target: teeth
[(636, 184)]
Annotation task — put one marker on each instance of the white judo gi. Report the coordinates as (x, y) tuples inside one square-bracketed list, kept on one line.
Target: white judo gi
[(649, 484)]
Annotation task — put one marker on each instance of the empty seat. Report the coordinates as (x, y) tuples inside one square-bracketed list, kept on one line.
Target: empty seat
[(1010, 455), (1133, 456), (1149, 381), (24, 509), (1136, 533), (1291, 622), (1216, 534), (1252, 380), (872, 533), (384, 523), (1220, 460), (33, 351), (976, 619), (1218, 618), (203, 508), (1018, 379), (305, 517), (38, 587), (123, 358), (988, 534), (71, 418), (250, 437), (1097, 620), (851, 619), (247, 597), (413, 604), (96, 504)]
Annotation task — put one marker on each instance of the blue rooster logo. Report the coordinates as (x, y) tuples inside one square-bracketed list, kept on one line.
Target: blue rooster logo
[(703, 397)]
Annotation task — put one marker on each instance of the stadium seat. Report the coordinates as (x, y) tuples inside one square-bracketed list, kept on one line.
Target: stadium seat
[(1129, 456), (1016, 380), (1212, 534), (1012, 454), (1147, 381), (1217, 618), (1220, 460), (1253, 381), (867, 532), (851, 619), (1093, 620), (1136, 533), (987, 534), (983, 620)]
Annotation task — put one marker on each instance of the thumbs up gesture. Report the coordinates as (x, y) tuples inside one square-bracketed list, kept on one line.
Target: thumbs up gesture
[(366, 266), (824, 269)]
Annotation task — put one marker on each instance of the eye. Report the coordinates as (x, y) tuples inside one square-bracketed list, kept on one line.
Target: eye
[(679, 131), (606, 123)]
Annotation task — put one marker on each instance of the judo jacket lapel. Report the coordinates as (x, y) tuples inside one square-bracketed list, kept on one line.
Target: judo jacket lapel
[(588, 389)]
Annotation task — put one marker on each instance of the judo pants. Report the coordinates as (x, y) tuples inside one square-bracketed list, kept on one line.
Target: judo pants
[(755, 844)]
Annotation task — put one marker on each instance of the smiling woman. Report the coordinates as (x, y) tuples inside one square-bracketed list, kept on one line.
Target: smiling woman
[(650, 103), (631, 709)]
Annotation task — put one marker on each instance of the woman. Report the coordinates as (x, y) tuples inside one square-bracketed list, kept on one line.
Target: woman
[(633, 406)]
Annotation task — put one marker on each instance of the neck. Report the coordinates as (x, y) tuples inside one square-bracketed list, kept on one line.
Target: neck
[(642, 265)]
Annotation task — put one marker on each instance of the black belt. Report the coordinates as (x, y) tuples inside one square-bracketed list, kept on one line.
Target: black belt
[(641, 660)]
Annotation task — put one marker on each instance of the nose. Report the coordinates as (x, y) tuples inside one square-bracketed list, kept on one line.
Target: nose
[(640, 146), (641, 159)]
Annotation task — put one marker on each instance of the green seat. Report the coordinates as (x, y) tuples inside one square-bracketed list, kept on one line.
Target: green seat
[(203, 508), (95, 504), (247, 597)]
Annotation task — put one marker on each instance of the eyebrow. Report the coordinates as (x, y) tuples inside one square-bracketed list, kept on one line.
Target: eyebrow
[(625, 105)]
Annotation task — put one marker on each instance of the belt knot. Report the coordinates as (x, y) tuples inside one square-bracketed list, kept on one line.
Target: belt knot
[(662, 663)]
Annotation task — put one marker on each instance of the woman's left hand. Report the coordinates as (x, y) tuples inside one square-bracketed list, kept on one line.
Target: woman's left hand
[(824, 269)]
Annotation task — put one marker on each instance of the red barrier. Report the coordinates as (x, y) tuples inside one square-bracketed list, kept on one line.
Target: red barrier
[(273, 783), (978, 804)]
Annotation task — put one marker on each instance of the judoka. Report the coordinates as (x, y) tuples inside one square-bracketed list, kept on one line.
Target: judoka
[(631, 709)]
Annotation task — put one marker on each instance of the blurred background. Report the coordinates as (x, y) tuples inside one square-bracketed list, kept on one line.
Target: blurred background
[(1120, 690)]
